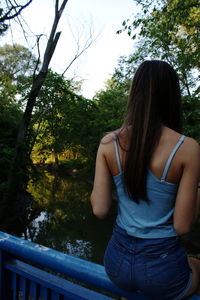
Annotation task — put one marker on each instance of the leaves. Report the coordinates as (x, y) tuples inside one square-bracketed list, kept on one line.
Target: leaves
[(169, 30), (16, 64)]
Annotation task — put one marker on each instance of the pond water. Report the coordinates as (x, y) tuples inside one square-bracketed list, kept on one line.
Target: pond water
[(63, 218)]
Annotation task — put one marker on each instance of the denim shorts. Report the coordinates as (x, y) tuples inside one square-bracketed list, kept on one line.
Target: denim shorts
[(158, 268)]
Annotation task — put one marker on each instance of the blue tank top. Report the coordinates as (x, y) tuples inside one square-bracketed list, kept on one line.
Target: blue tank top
[(155, 218)]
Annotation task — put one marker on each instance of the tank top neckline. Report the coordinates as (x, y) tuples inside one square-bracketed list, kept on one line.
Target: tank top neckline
[(167, 165)]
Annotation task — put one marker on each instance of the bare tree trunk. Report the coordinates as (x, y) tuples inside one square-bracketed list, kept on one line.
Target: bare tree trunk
[(39, 79), (18, 177)]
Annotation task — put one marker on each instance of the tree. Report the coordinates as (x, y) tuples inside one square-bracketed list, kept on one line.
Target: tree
[(106, 115), (3, 26), (169, 30), (18, 177), (10, 116), (52, 114), (111, 104), (10, 10), (17, 63), (63, 117)]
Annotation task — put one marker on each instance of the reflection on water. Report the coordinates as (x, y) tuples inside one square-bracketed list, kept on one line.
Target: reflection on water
[(65, 221), (79, 248), (62, 219)]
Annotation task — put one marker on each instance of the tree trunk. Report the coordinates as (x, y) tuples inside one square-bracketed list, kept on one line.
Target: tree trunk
[(56, 160), (18, 177)]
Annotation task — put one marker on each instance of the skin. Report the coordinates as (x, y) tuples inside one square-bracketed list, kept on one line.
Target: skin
[(185, 170)]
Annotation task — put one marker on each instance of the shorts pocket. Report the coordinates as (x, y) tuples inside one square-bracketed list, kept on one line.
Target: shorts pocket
[(164, 269), (113, 257)]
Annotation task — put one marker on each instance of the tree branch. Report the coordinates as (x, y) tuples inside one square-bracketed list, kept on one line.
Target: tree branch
[(52, 38), (91, 39), (17, 9)]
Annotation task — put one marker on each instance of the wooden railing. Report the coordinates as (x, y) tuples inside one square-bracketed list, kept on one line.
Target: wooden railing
[(29, 271)]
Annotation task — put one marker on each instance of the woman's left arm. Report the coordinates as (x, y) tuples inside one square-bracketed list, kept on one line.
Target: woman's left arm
[(102, 189), (198, 202)]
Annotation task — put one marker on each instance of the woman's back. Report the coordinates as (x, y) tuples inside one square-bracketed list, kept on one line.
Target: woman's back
[(152, 219), (179, 165), (161, 153)]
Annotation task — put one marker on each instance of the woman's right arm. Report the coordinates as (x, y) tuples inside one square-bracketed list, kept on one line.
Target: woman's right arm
[(101, 194), (187, 201)]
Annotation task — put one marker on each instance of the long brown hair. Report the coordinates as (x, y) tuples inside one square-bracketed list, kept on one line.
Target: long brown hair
[(154, 99)]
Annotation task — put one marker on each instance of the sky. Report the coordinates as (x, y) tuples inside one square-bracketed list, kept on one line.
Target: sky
[(81, 17)]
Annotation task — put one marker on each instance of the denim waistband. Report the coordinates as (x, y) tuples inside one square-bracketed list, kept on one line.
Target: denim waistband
[(122, 236)]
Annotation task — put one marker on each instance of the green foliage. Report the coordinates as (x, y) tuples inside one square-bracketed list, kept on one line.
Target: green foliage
[(191, 117), (61, 117), (65, 121), (16, 65), (169, 30), (111, 104), (10, 116)]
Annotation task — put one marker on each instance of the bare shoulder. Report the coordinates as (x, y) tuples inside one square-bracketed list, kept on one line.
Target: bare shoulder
[(107, 141), (191, 150), (108, 138), (106, 144), (191, 144)]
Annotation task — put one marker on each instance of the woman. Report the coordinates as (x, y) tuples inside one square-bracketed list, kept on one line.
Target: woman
[(156, 170)]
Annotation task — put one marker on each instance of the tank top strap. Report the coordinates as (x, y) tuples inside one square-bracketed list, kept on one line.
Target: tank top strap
[(168, 164), (117, 153)]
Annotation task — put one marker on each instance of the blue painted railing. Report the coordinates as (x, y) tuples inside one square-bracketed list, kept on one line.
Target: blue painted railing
[(47, 274)]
